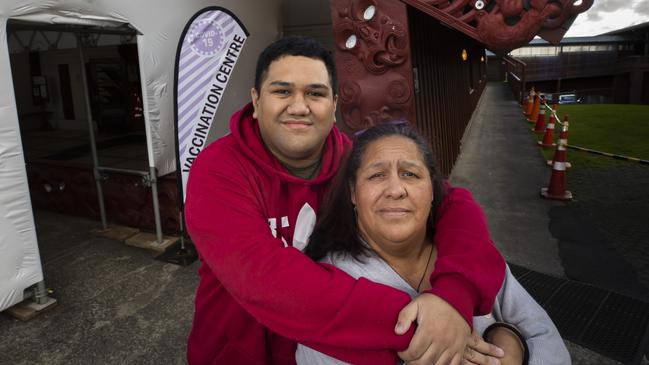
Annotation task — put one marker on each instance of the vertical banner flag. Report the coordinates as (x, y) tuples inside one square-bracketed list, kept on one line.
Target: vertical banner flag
[(209, 48)]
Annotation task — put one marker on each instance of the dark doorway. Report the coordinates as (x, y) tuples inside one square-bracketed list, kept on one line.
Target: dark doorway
[(66, 91)]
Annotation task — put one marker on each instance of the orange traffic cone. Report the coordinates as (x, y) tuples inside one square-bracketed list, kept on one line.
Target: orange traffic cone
[(530, 103), (557, 189), (535, 110), (553, 113), (540, 121), (548, 137), (564, 131), (561, 153)]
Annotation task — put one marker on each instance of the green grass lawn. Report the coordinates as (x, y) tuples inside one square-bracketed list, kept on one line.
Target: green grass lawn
[(615, 128)]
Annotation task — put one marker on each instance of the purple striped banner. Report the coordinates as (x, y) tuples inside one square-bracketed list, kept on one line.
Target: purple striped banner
[(209, 48)]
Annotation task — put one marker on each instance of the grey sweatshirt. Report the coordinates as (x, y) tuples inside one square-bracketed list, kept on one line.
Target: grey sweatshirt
[(513, 305)]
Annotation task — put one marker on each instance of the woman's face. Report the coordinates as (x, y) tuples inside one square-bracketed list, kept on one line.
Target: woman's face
[(393, 194)]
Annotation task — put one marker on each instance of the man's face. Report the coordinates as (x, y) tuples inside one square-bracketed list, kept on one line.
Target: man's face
[(295, 109)]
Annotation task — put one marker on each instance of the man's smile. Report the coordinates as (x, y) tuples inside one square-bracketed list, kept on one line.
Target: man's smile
[(297, 124)]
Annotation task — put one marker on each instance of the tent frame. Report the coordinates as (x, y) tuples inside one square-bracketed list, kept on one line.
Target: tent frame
[(150, 178)]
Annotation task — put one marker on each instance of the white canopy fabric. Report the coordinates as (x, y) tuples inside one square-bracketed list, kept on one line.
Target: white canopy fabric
[(158, 24)]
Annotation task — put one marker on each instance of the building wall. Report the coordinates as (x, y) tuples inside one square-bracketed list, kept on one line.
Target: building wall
[(310, 18), (645, 88), (448, 87), (596, 69), (495, 69), (589, 89), (621, 86), (22, 83), (49, 62), (570, 65)]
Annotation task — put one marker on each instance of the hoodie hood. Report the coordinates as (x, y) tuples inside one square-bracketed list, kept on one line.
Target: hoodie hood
[(245, 130)]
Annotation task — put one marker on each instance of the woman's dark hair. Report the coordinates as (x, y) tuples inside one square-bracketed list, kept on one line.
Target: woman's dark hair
[(295, 46), (336, 229)]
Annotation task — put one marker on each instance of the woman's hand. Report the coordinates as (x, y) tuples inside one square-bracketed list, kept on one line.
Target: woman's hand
[(441, 335), (480, 352)]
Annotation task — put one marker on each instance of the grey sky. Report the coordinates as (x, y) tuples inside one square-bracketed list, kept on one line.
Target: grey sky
[(642, 8), (608, 15)]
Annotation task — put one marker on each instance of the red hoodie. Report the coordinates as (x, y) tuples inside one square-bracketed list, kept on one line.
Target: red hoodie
[(258, 295)]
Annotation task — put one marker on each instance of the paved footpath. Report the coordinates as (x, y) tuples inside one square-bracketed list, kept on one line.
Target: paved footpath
[(502, 166), (504, 169)]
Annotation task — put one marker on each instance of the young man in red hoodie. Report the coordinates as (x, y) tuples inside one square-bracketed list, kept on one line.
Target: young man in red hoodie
[(252, 200)]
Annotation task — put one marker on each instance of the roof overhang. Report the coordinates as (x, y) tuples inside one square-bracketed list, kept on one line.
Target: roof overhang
[(505, 25)]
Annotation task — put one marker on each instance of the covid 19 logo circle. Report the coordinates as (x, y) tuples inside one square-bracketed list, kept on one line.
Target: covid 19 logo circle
[(206, 38)]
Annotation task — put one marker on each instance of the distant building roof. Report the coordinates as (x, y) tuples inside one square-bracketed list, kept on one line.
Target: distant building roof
[(634, 28), (615, 36), (580, 40)]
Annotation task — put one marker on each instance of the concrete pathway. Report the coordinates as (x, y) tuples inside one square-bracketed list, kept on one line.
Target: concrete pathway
[(504, 169), (116, 304)]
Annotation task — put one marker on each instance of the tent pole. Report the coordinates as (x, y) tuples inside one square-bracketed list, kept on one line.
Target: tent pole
[(40, 292), (156, 204), (153, 172), (91, 131)]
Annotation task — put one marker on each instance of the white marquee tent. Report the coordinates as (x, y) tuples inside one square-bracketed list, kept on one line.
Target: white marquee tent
[(157, 26)]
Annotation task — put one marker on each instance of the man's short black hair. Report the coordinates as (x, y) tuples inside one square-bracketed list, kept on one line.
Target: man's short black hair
[(295, 46)]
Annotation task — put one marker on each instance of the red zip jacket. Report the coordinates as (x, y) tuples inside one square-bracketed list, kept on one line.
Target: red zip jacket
[(258, 293)]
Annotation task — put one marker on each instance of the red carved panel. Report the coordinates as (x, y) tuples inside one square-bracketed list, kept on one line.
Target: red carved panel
[(373, 58), (373, 44), (503, 25)]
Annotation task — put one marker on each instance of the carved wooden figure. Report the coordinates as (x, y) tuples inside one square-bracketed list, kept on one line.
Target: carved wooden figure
[(373, 44)]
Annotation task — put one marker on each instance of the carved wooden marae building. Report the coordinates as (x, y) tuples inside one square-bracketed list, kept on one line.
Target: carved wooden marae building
[(424, 61)]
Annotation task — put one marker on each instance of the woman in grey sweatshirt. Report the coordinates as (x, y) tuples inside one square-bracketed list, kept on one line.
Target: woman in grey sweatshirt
[(391, 184)]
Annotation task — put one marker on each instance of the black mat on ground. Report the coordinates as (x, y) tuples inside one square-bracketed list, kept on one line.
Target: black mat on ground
[(612, 324)]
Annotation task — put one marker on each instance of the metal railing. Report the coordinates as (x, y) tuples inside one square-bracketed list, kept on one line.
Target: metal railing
[(516, 71)]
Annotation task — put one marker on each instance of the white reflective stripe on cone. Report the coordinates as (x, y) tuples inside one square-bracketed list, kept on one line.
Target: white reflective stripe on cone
[(559, 166), (550, 125), (561, 146)]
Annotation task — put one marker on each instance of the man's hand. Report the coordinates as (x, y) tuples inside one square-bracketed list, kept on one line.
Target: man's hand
[(513, 349), (441, 334), (480, 352)]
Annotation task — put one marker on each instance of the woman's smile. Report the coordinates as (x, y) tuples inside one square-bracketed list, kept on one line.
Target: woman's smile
[(392, 213)]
